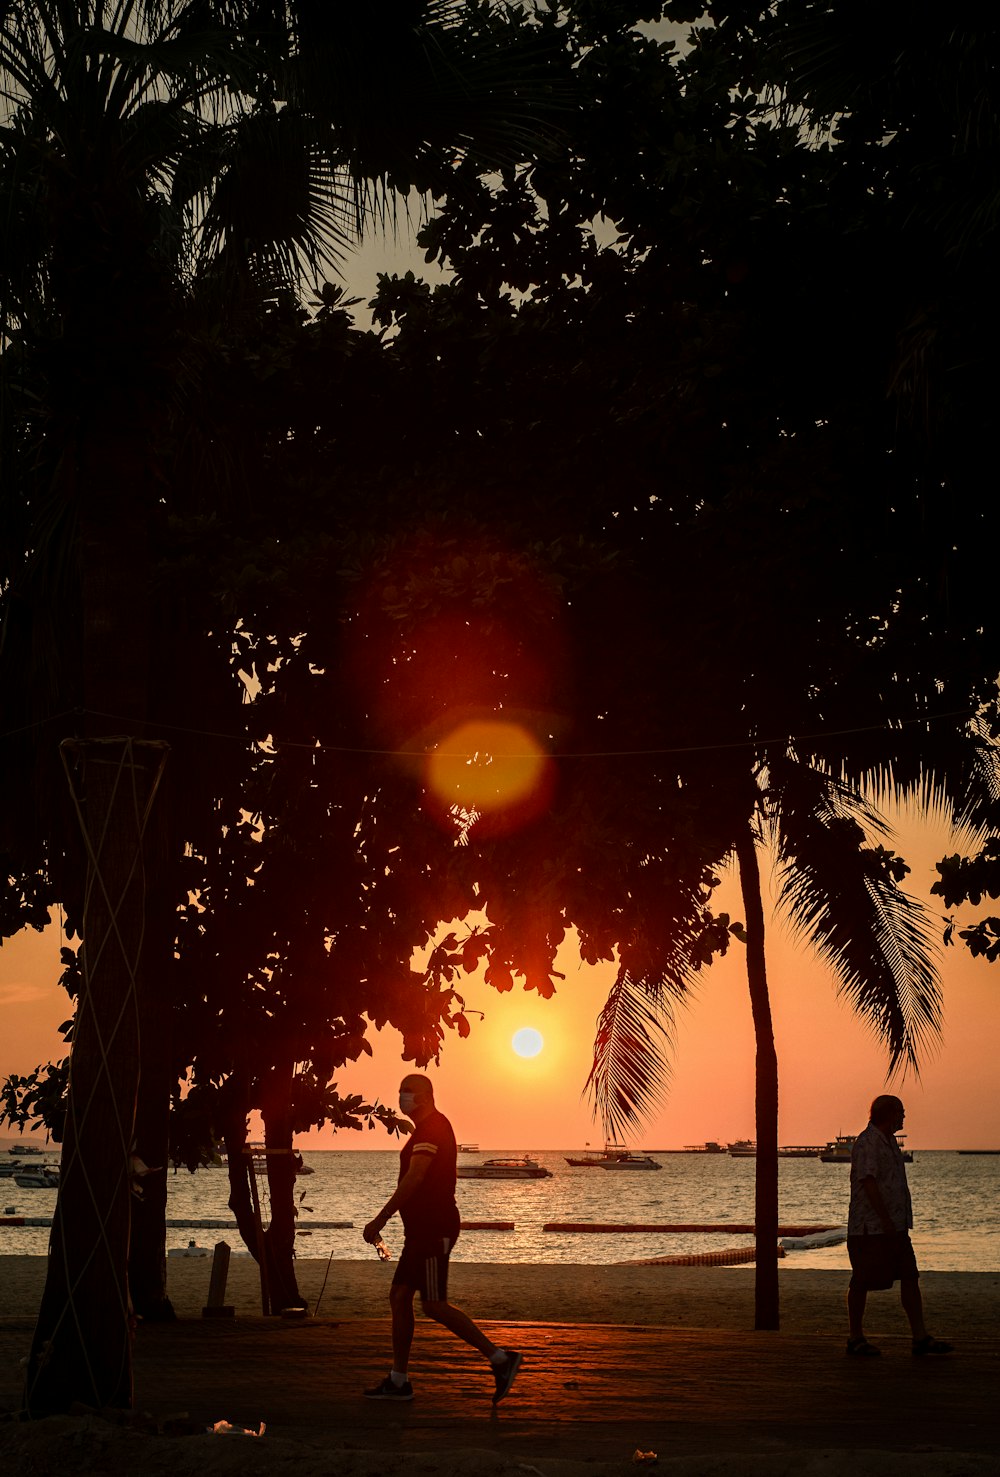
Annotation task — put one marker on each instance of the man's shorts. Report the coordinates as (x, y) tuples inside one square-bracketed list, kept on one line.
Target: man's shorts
[(423, 1264), (879, 1261)]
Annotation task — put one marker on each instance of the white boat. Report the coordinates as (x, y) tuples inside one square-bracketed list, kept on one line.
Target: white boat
[(592, 1159), (628, 1160), (42, 1178), (504, 1169), (832, 1237), (838, 1150)]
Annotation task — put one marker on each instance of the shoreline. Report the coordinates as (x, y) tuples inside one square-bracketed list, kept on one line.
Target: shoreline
[(958, 1304)]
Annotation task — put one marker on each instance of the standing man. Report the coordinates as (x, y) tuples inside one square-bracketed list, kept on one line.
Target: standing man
[(425, 1199), (878, 1225)]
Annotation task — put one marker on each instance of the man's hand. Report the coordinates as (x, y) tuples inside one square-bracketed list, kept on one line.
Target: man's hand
[(373, 1230)]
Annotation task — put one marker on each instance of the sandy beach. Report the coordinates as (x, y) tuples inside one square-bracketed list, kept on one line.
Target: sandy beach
[(678, 1297), (618, 1360)]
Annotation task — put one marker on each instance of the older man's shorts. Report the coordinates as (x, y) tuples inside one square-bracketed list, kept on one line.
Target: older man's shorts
[(879, 1261)]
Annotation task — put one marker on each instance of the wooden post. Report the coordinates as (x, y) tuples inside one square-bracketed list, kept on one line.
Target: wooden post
[(217, 1307)]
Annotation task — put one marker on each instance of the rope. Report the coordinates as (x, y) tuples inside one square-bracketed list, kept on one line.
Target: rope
[(126, 775), (819, 735)]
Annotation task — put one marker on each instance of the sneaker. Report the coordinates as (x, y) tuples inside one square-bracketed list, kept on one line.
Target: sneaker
[(505, 1373), (923, 1347), (862, 1349), (389, 1390)]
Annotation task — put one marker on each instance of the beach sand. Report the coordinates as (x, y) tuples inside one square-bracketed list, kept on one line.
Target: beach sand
[(694, 1382)]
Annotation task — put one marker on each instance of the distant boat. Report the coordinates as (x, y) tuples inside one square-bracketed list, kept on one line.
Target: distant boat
[(24, 1149), (979, 1151), (742, 1149), (468, 1148), (708, 1147), (628, 1160), (504, 1169), (593, 1159), (800, 1151), (838, 1150)]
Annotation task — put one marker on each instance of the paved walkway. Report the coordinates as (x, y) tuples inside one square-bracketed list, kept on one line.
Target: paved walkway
[(586, 1392)]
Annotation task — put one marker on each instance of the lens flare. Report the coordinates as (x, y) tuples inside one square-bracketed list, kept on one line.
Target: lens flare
[(488, 766)]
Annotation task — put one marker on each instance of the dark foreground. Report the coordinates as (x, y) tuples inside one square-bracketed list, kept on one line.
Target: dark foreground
[(594, 1394)]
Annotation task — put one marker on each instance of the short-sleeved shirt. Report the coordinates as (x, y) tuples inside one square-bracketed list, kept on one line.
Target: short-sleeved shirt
[(432, 1211), (877, 1155)]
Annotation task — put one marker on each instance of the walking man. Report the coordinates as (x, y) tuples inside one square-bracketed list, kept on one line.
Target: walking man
[(425, 1199), (878, 1226)]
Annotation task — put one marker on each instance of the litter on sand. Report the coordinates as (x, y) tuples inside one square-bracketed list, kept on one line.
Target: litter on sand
[(224, 1428)]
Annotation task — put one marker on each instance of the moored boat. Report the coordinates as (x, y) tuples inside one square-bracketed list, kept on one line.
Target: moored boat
[(505, 1169), (800, 1151), (708, 1147), (24, 1149), (838, 1150), (593, 1159), (628, 1160), (742, 1149), (44, 1177)]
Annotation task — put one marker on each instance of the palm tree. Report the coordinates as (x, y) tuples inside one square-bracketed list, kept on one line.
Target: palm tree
[(840, 887), (155, 158)]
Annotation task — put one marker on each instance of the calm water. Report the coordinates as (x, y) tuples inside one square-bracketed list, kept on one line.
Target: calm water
[(956, 1207)]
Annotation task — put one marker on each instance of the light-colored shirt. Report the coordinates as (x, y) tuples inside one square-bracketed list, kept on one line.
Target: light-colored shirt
[(877, 1155)]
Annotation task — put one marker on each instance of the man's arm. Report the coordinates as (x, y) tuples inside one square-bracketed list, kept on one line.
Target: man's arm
[(870, 1186), (412, 1179)]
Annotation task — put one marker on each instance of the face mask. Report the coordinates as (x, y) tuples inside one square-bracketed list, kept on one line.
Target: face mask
[(407, 1102)]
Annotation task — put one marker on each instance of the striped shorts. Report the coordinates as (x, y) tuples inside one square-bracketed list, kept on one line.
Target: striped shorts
[(423, 1265)]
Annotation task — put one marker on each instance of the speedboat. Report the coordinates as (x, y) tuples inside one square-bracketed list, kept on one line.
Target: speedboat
[(45, 1177), (628, 1160), (504, 1169)]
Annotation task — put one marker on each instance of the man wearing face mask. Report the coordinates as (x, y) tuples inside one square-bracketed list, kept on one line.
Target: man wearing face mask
[(425, 1199)]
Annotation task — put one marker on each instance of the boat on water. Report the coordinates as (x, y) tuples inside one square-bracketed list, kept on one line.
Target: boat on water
[(800, 1151), (523, 1168), (838, 1150), (45, 1177), (708, 1147), (628, 1160), (593, 1159), (742, 1149), (24, 1149), (468, 1148)]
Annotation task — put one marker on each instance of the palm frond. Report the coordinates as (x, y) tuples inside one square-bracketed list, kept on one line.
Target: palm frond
[(843, 895), (634, 1041)]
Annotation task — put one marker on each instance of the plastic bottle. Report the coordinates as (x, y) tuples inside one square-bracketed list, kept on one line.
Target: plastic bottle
[(383, 1252)]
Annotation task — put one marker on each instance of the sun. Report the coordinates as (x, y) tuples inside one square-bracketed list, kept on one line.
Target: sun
[(527, 1041)]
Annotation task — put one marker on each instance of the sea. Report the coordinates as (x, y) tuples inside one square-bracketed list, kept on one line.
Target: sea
[(956, 1200)]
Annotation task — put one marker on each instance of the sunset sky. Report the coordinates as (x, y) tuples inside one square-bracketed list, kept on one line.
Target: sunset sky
[(829, 1065)]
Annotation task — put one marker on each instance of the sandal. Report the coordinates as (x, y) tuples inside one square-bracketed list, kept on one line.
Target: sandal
[(862, 1349), (930, 1345)]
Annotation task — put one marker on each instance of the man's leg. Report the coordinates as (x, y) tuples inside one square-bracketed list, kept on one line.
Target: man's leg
[(458, 1323), (401, 1304), (857, 1299), (504, 1362), (913, 1305)]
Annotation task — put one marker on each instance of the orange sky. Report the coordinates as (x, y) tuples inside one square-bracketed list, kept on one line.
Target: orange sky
[(830, 1067)]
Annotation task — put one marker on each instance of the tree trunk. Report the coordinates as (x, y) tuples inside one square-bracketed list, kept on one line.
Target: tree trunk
[(81, 1351), (279, 1242), (766, 1310)]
